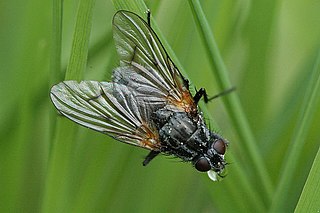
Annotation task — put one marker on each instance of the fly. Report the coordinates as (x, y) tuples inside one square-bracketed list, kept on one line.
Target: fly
[(147, 103)]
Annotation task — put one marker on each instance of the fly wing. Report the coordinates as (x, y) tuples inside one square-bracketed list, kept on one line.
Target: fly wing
[(109, 108), (144, 64)]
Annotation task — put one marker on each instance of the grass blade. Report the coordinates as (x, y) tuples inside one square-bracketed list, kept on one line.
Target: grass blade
[(79, 53), (57, 182), (310, 196), (298, 140), (232, 102)]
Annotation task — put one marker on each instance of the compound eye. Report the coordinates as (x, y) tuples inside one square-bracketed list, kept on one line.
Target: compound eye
[(220, 146), (203, 165)]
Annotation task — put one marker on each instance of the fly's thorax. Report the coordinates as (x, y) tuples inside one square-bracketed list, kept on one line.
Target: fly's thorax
[(175, 134), (180, 134)]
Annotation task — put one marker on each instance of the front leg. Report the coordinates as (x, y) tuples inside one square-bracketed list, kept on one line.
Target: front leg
[(202, 92), (199, 94)]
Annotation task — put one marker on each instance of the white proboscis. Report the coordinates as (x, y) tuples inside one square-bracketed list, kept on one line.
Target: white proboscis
[(213, 175)]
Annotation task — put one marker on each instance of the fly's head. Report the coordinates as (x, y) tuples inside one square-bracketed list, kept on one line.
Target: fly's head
[(212, 161)]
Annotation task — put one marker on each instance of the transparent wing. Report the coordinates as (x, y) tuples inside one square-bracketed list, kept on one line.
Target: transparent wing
[(145, 65), (109, 108)]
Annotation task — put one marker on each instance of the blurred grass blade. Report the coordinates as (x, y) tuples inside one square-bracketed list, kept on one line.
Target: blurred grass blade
[(80, 45), (308, 109), (138, 7), (59, 165), (231, 101), (55, 63), (310, 197)]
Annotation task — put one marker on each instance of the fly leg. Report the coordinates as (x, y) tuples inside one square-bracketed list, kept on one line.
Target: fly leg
[(202, 92), (148, 17), (149, 157), (199, 94)]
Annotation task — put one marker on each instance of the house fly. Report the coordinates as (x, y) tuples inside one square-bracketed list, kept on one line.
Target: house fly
[(147, 103)]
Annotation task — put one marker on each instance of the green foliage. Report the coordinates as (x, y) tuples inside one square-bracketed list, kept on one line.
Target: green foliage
[(268, 50)]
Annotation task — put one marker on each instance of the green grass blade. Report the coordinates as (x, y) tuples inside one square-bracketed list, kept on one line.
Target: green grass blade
[(55, 65), (79, 53), (308, 109), (135, 6), (310, 196), (232, 102), (55, 62), (57, 183)]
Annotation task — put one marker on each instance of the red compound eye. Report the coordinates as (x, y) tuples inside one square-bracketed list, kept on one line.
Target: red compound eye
[(202, 165), (220, 146)]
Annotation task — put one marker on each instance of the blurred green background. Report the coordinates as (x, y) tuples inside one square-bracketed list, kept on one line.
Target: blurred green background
[(49, 164)]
